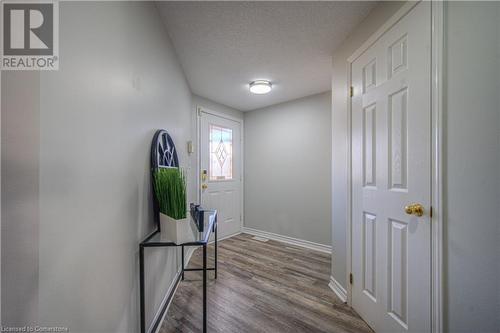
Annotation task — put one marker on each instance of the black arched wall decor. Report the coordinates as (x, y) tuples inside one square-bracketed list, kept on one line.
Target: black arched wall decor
[(163, 155), (163, 152)]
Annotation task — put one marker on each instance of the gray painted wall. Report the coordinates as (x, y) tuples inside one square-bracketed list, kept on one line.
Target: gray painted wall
[(287, 165), (372, 22), (472, 168), (20, 206), (77, 142)]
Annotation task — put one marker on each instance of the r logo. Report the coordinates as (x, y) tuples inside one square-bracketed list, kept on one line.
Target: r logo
[(28, 29)]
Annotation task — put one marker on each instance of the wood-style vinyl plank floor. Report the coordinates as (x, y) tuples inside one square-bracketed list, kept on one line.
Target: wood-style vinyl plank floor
[(261, 287)]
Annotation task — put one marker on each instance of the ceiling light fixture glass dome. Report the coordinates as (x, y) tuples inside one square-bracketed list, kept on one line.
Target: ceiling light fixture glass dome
[(260, 87)]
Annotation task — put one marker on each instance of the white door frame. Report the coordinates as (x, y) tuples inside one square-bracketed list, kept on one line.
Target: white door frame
[(437, 59), (199, 110)]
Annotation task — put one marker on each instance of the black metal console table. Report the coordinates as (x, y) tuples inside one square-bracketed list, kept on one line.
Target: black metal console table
[(198, 239)]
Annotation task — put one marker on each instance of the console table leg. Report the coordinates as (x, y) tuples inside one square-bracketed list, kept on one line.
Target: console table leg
[(204, 288), (215, 250), (182, 269), (141, 283)]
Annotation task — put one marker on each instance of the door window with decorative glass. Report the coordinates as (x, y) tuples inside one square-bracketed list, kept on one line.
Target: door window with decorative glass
[(221, 153)]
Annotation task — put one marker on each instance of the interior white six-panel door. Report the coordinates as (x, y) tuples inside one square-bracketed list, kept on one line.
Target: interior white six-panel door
[(391, 165)]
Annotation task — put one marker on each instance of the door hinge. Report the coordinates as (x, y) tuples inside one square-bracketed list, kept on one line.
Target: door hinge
[(430, 212), (351, 278), (351, 91)]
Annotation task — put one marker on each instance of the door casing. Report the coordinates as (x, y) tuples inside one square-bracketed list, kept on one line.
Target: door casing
[(437, 64), (199, 110)]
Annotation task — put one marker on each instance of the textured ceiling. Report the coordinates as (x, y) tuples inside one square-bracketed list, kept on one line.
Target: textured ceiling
[(222, 46)]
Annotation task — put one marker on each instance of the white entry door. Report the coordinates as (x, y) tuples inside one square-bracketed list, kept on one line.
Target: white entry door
[(391, 170), (220, 154)]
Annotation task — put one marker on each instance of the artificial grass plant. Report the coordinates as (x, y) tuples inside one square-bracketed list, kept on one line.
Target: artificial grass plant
[(170, 189)]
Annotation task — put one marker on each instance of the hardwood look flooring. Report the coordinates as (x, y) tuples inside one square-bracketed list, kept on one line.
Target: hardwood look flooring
[(261, 287)]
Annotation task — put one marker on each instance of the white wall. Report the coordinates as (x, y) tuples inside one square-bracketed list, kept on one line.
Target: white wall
[(372, 22), (472, 167), (287, 169), (77, 143)]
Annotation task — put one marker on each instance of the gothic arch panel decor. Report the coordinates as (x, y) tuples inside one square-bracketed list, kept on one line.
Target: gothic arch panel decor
[(163, 155), (163, 152)]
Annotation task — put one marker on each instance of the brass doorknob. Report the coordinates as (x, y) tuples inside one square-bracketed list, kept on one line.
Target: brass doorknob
[(204, 186), (415, 209)]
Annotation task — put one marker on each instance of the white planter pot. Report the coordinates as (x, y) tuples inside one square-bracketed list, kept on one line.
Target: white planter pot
[(177, 231)]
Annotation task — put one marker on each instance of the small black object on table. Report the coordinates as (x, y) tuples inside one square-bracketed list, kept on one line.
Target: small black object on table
[(205, 222)]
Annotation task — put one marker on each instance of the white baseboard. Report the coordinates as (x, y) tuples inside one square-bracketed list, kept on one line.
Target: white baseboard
[(338, 289), (289, 240), (225, 237), (162, 304)]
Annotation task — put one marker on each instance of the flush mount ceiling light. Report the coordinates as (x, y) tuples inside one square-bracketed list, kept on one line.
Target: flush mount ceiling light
[(260, 87)]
